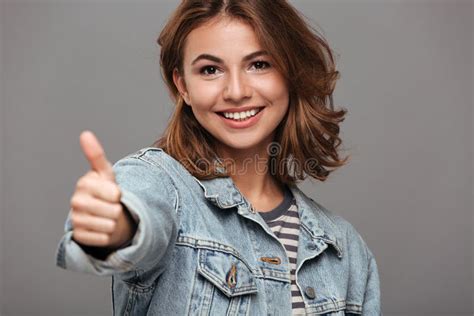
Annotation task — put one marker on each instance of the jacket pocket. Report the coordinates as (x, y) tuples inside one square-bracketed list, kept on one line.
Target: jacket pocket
[(223, 285)]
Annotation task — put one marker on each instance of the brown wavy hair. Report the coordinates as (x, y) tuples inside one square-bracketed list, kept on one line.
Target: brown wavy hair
[(307, 139)]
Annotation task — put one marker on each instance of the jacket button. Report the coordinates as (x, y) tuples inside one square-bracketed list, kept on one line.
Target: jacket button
[(309, 291)]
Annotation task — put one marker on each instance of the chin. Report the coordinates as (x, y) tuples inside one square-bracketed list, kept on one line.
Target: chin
[(242, 145)]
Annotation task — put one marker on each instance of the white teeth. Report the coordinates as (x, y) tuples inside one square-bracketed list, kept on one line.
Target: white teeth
[(241, 115)]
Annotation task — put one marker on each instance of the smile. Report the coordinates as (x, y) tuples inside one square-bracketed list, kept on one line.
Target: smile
[(241, 116), (243, 119)]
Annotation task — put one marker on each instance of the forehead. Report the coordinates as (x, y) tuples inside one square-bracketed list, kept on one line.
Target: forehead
[(221, 36)]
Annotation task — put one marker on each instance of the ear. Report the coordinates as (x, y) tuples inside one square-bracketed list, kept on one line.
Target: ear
[(181, 85)]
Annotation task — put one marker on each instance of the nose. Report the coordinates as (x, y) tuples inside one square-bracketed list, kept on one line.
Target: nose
[(236, 88)]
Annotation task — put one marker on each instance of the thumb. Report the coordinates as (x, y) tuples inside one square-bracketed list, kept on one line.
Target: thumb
[(95, 155)]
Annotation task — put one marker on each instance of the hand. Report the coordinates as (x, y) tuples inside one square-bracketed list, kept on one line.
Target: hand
[(98, 218)]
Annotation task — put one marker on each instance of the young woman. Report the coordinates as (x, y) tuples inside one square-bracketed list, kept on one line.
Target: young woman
[(209, 220)]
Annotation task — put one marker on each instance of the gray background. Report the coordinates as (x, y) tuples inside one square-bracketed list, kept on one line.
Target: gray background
[(406, 70)]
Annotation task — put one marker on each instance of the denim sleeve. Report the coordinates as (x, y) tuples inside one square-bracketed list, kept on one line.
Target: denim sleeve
[(149, 194), (371, 304)]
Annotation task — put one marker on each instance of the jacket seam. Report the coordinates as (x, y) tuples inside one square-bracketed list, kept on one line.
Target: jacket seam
[(126, 264), (193, 243), (160, 166)]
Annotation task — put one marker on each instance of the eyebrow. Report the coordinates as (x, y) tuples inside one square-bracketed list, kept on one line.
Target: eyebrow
[(220, 61)]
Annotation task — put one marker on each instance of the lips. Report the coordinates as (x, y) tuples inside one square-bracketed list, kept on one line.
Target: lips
[(238, 110), (242, 124)]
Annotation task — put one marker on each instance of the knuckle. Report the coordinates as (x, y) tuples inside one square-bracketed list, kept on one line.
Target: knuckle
[(77, 235), (74, 218), (83, 184), (78, 221), (72, 200), (91, 174), (76, 201)]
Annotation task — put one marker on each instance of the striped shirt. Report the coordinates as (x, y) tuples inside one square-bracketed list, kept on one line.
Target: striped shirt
[(284, 222)]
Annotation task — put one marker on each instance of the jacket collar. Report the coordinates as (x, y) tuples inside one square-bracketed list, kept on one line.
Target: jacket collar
[(223, 193)]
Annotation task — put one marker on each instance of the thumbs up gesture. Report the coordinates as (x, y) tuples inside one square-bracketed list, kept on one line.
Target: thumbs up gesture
[(98, 218)]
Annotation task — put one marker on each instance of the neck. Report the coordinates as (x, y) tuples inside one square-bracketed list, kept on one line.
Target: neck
[(249, 172)]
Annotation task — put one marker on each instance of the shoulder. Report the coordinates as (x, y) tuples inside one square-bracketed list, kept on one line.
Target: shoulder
[(152, 156), (150, 166), (145, 168), (347, 236)]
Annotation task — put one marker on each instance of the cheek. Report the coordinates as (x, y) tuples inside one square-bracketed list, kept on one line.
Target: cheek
[(273, 89), (203, 95)]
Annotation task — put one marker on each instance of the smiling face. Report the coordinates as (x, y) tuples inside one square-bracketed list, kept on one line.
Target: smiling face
[(225, 72)]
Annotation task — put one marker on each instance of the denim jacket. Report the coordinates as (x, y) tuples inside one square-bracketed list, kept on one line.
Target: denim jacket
[(201, 249)]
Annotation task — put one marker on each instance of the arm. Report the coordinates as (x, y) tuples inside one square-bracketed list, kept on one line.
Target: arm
[(371, 304), (152, 200)]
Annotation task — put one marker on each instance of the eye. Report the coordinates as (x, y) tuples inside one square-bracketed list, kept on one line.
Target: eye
[(208, 70), (260, 65)]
